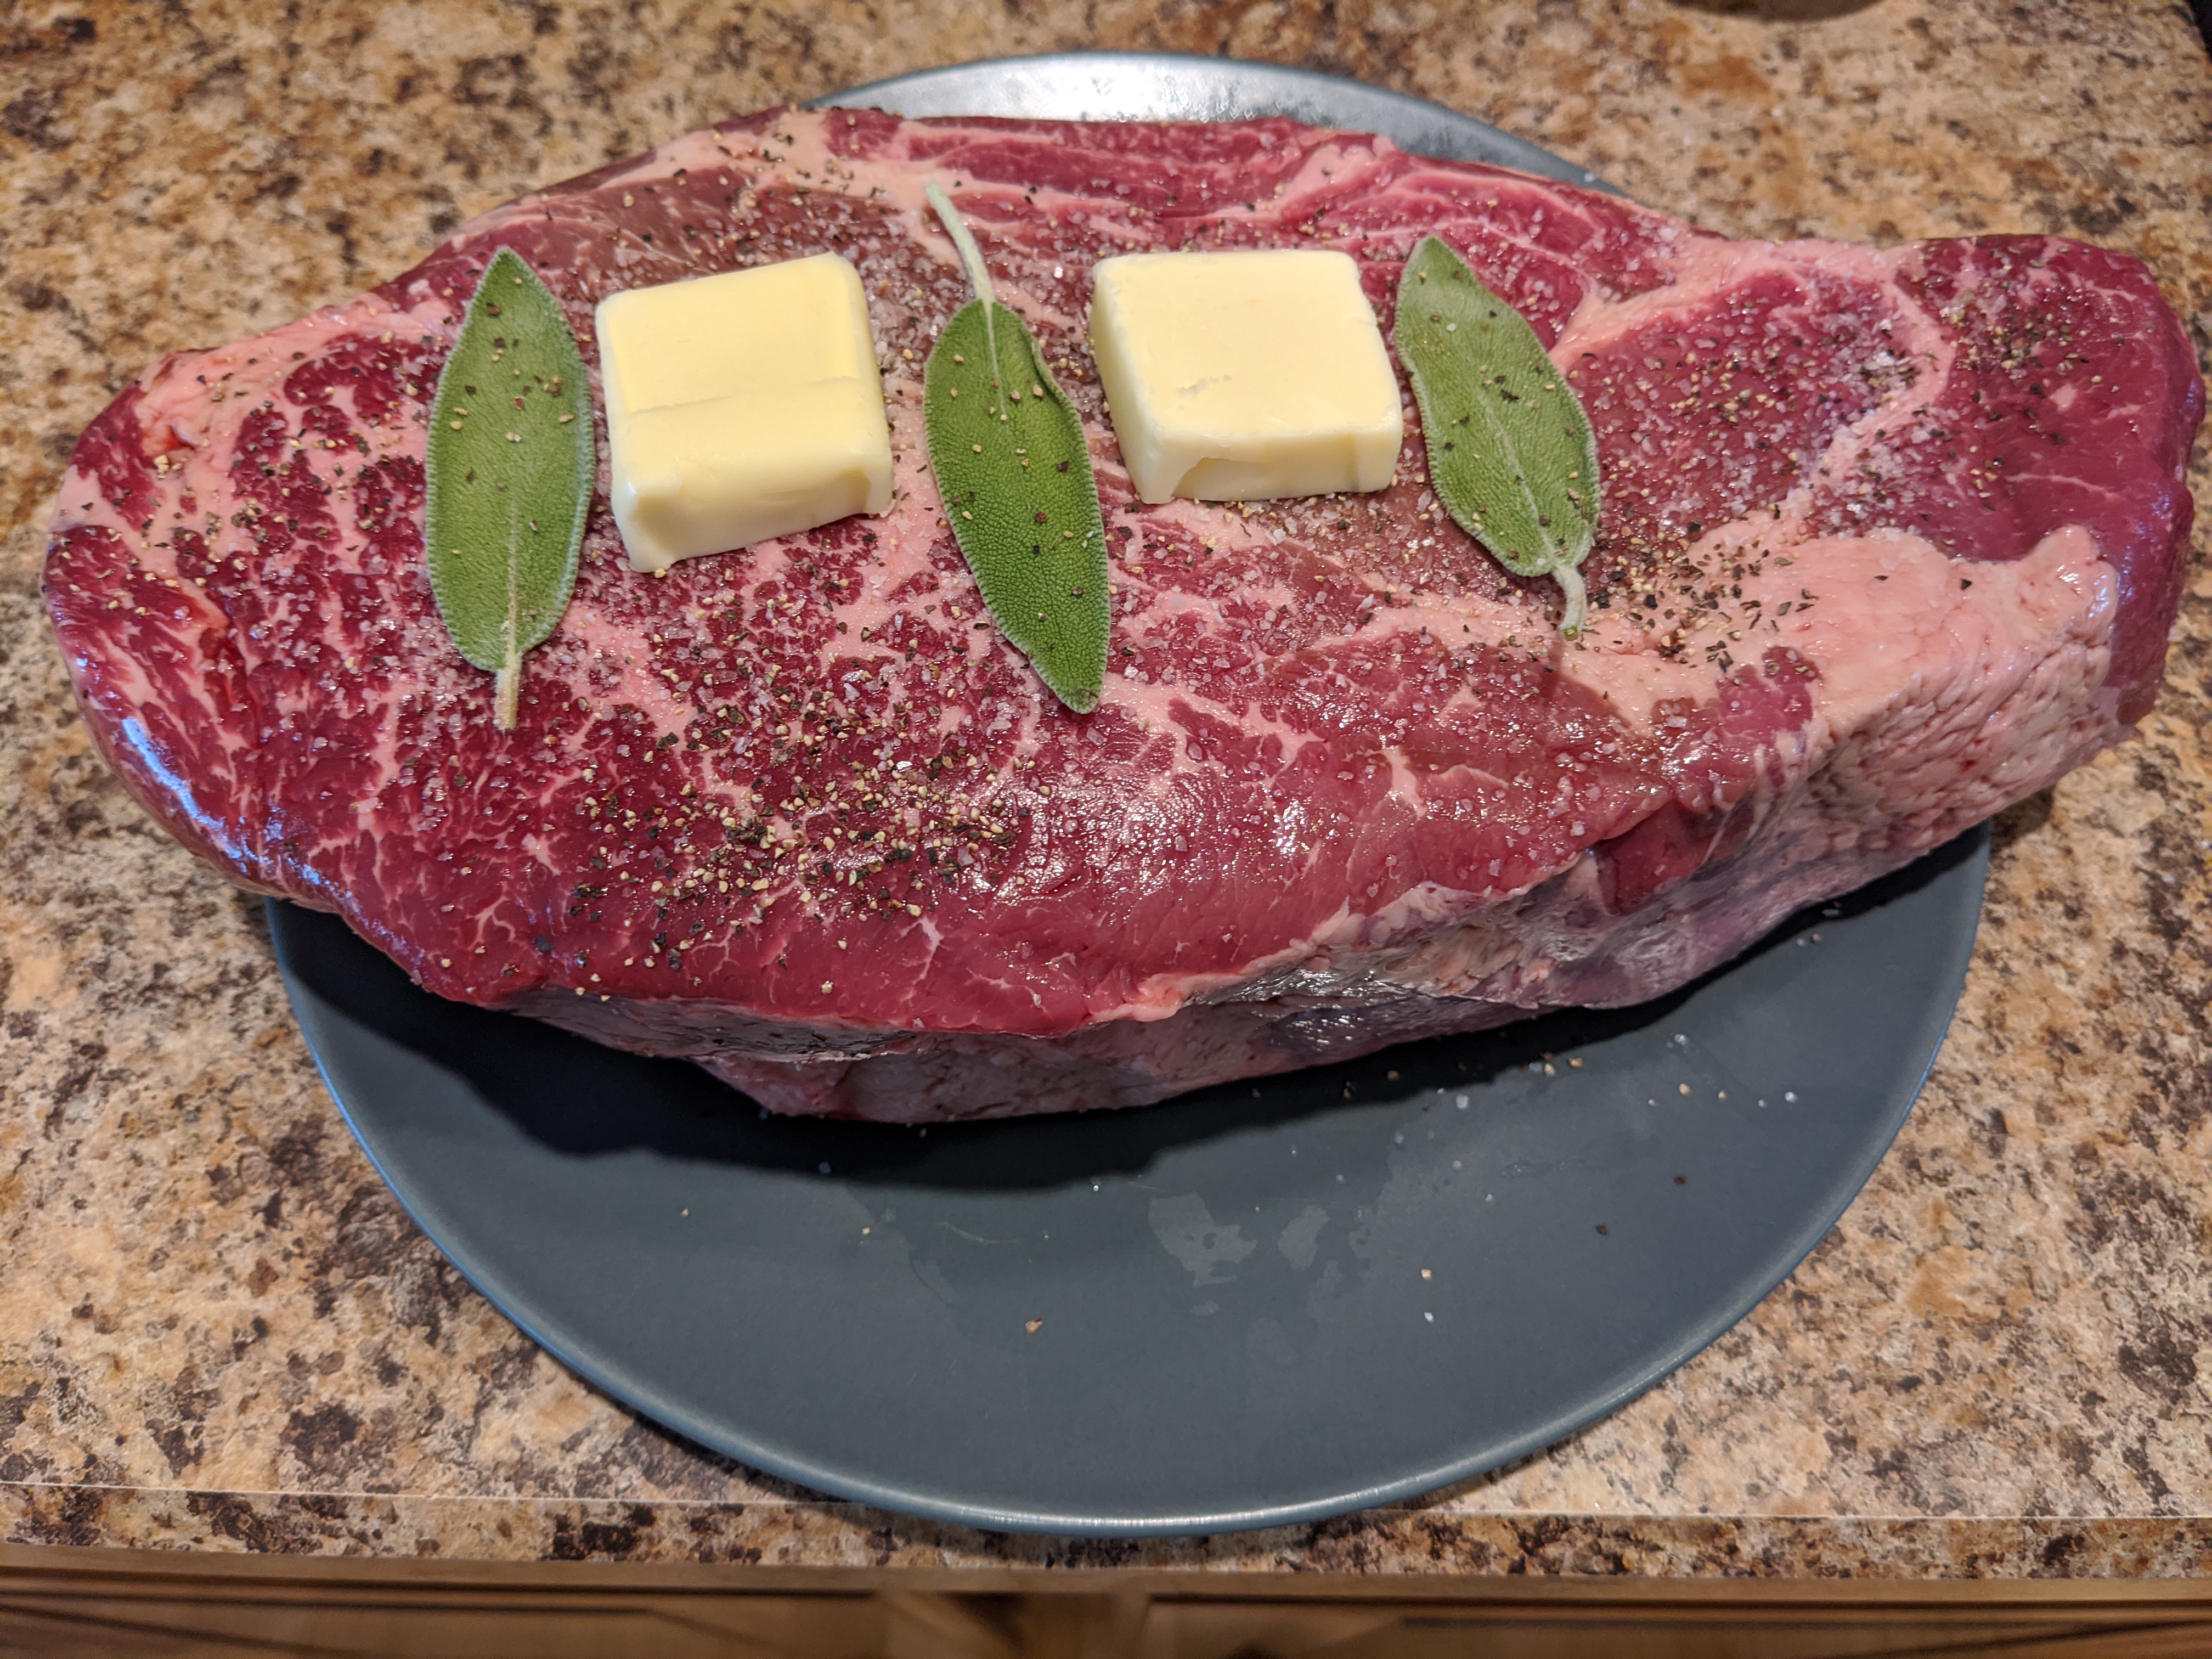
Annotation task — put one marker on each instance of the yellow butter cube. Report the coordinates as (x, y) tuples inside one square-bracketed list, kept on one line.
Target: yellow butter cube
[(742, 406), (1244, 376)]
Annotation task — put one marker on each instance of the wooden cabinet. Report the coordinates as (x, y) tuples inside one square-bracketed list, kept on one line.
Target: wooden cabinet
[(111, 1603)]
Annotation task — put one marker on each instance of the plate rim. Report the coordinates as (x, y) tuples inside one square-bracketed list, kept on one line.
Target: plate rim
[(1528, 157)]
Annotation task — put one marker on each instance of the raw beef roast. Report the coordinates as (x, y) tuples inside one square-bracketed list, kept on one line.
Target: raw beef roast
[(1891, 538)]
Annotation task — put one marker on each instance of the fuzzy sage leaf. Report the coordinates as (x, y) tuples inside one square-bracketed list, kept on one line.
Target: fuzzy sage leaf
[(1014, 471), (1512, 455), (508, 475)]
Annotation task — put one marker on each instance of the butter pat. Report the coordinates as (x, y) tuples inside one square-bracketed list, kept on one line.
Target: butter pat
[(1244, 376), (742, 406)]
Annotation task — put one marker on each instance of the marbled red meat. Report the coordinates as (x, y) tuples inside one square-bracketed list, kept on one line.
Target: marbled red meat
[(1891, 538)]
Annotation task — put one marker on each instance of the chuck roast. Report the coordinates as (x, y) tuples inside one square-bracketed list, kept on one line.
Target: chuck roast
[(1892, 537)]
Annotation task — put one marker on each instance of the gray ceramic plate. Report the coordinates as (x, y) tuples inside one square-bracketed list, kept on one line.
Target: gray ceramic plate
[(1258, 1305)]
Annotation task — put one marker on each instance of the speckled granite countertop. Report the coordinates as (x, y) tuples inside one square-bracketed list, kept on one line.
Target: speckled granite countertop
[(216, 1328)]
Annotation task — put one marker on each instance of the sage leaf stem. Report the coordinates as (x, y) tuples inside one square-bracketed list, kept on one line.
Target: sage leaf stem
[(971, 256)]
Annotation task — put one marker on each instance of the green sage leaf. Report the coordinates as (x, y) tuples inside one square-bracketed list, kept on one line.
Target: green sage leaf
[(1014, 471), (508, 475), (1512, 455)]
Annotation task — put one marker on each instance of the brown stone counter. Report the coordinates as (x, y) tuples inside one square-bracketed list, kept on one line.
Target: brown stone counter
[(219, 1332)]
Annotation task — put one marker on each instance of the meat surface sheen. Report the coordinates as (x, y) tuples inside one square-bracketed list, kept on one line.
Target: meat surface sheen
[(1891, 538)]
